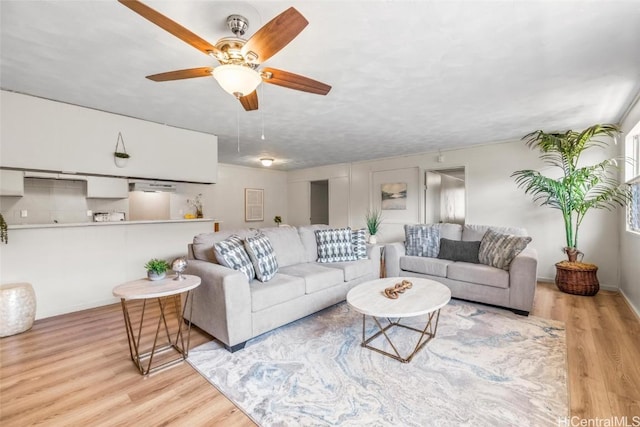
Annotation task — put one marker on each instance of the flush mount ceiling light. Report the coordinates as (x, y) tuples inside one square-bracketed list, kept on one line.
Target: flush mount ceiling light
[(238, 80), (266, 162)]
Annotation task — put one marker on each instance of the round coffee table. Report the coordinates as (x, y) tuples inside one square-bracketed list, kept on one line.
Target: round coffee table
[(424, 297)]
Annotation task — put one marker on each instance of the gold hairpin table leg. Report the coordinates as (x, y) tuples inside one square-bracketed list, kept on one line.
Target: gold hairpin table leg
[(426, 335)]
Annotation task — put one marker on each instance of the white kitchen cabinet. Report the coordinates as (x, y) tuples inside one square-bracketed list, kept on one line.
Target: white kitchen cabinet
[(11, 183), (107, 188)]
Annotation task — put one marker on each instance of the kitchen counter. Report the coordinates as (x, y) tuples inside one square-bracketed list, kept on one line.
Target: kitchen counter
[(108, 223)]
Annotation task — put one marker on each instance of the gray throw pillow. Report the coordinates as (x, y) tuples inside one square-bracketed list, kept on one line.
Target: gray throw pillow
[(262, 256), (456, 250), (359, 241), (498, 250), (230, 253), (422, 240), (335, 245)]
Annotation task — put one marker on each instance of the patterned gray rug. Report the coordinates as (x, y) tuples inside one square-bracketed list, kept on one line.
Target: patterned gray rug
[(486, 367)]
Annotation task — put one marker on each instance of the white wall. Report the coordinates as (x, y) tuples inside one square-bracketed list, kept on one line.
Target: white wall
[(630, 242), (41, 134), (493, 199)]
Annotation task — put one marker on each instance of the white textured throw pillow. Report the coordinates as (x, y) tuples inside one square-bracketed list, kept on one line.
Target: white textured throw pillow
[(498, 250)]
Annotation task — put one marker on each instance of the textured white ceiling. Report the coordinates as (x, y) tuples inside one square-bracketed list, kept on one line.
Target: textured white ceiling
[(407, 77)]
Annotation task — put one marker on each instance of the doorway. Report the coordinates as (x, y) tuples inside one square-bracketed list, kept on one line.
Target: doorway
[(445, 196), (319, 202)]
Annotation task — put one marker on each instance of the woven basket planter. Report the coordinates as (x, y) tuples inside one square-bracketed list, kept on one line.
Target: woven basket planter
[(577, 278)]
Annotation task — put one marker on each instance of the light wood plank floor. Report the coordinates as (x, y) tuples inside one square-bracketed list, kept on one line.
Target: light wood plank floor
[(75, 370)]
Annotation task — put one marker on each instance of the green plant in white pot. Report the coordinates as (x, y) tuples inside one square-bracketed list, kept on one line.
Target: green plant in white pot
[(157, 268), (373, 220)]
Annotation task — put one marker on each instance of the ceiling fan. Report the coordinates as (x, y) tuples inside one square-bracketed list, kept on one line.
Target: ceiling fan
[(238, 73)]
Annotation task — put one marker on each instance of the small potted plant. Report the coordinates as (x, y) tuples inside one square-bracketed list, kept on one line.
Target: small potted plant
[(157, 268), (4, 230), (196, 203), (373, 220), (121, 157), (278, 220)]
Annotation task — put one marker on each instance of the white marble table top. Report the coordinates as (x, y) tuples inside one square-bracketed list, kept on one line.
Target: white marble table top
[(145, 288), (424, 297)]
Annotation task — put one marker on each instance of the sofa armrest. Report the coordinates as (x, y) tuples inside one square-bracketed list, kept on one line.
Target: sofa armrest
[(392, 254), (523, 275), (222, 302), (374, 253)]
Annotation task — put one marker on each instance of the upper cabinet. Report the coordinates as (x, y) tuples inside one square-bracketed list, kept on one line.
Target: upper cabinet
[(11, 183), (107, 188), (52, 136)]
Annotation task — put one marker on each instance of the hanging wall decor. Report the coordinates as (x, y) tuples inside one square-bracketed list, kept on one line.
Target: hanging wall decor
[(120, 156)]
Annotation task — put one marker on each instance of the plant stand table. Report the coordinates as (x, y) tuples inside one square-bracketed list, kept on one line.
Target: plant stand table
[(163, 291), (425, 297)]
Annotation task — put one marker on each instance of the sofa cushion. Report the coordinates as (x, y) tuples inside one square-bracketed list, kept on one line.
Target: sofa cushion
[(430, 266), (231, 253), (472, 232), (498, 250), (353, 269), (286, 245), (422, 239), (478, 273), (203, 243), (334, 245), (316, 276), (281, 288), (307, 235), (262, 256), (359, 241), (457, 250), (451, 231)]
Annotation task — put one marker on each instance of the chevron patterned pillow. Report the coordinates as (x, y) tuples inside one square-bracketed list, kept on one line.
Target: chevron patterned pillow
[(262, 256), (334, 245), (359, 241), (230, 253)]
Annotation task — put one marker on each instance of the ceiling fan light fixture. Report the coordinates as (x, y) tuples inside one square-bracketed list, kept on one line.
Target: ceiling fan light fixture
[(266, 161), (237, 80)]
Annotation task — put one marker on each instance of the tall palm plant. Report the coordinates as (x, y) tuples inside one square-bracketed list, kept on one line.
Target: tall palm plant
[(580, 188)]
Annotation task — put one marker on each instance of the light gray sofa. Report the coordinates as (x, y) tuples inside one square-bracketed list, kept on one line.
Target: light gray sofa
[(233, 309), (513, 289)]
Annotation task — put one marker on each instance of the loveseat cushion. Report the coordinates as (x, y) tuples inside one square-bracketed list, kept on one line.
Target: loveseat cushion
[(498, 250), (231, 253), (423, 265), (334, 245), (263, 258), (478, 273), (281, 288), (457, 250), (316, 277), (203, 243), (286, 245), (353, 269)]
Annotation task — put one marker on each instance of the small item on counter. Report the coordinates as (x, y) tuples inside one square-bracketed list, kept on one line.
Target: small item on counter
[(189, 216)]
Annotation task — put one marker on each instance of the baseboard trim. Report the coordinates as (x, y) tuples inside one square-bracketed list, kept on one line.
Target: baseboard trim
[(602, 286), (633, 308)]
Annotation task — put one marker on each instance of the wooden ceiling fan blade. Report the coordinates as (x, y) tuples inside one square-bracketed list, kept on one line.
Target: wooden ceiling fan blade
[(274, 35), (250, 102), (171, 26), (295, 81), (189, 73)]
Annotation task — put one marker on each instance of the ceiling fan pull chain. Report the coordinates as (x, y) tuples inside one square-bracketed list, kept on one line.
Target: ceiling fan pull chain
[(238, 123), (262, 110)]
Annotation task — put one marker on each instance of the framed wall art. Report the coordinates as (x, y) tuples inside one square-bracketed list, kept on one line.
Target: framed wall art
[(253, 204)]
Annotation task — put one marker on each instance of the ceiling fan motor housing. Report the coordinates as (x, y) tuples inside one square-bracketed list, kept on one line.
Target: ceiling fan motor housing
[(238, 24)]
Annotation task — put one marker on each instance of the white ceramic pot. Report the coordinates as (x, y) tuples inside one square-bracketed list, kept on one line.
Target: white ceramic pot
[(154, 276), (120, 161), (372, 239)]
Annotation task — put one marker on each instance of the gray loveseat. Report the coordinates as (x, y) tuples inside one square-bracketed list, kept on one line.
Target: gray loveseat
[(233, 309), (513, 288)]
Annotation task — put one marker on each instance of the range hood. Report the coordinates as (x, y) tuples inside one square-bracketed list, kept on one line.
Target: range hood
[(154, 186)]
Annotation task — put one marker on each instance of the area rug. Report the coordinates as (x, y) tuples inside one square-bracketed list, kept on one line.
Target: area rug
[(485, 367)]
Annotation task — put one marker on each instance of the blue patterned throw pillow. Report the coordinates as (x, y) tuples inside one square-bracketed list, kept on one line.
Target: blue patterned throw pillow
[(422, 240), (359, 241), (334, 245), (262, 256), (230, 253)]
